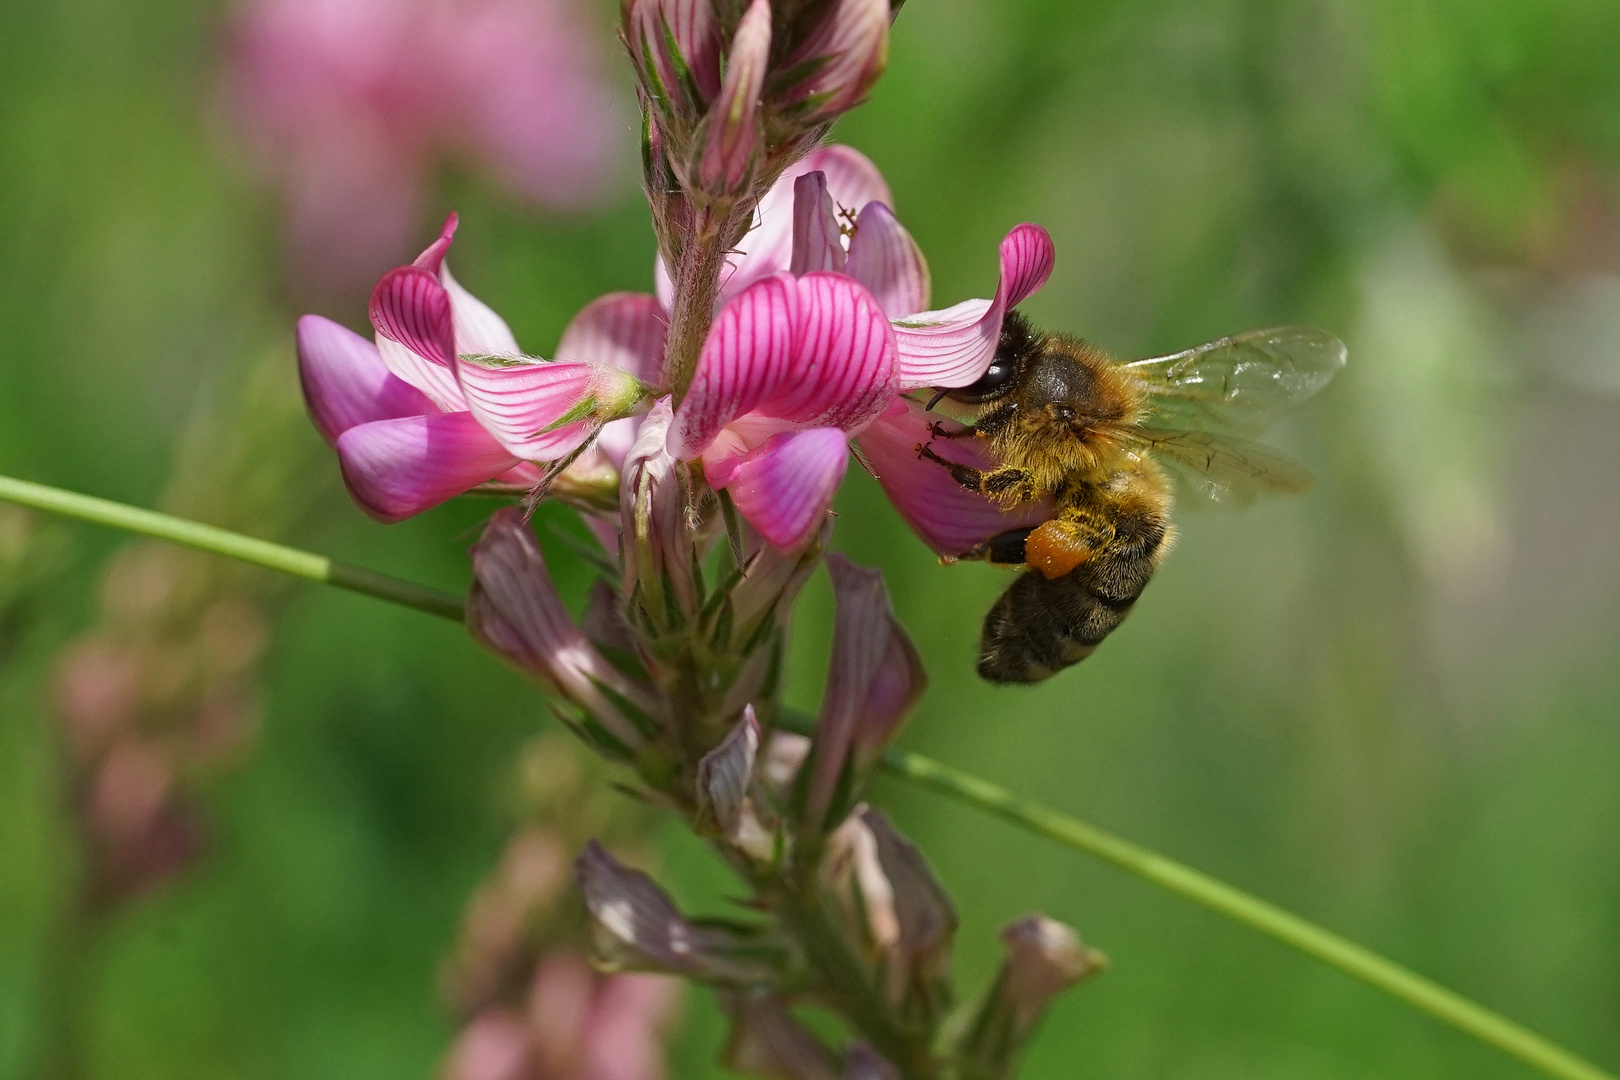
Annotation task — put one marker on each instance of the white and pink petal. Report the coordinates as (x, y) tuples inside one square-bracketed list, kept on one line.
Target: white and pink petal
[(953, 347)]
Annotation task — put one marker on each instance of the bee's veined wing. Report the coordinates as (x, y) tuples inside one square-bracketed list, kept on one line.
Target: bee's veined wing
[(1240, 382), (1225, 469)]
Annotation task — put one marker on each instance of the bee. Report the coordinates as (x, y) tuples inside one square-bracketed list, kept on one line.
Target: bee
[(1065, 422)]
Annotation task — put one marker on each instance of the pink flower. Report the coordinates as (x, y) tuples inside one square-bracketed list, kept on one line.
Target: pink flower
[(349, 102), (806, 355), (445, 401)]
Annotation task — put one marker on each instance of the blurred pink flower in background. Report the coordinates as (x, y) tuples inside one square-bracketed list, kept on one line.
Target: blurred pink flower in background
[(349, 104)]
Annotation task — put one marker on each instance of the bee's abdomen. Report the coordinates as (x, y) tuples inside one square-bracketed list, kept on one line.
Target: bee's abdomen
[(1042, 625)]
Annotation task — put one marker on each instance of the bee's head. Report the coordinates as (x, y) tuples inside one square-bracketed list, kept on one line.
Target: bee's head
[(1018, 345)]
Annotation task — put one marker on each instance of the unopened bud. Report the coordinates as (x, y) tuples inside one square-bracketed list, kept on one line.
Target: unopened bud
[(838, 61), (725, 773), (733, 131), (675, 46), (1044, 958)]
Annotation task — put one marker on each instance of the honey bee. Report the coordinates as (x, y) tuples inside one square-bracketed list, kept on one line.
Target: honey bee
[(1064, 421)]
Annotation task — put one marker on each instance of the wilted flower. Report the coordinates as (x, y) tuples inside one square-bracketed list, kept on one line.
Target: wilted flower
[(349, 103)]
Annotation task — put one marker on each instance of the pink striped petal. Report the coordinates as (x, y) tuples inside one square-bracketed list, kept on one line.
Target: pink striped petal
[(520, 403), (953, 347), (884, 258), (410, 306), (852, 181), (785, 487), (949, 518), (817, 242), (623, 330), (743, 363), (814, 351), (346, 382), (477, 329), (843, 370), (397, 468)]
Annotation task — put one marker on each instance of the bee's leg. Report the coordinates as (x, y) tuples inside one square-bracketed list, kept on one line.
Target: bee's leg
[(938, 430), (996, 483), (1003, 549)]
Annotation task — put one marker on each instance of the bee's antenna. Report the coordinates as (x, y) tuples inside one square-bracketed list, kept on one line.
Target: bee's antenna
[(935, 400)]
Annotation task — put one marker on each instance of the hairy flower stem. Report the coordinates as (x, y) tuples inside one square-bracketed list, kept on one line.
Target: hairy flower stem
[(697, 274)]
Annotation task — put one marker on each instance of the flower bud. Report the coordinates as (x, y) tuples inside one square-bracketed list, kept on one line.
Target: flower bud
[(874, 680), (1044, 958), (514, 611), (725, 773), (733, 131), (635, 926), (675, 47), (837, 61)]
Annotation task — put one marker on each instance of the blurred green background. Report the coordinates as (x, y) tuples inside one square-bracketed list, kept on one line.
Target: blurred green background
[(1392, 706)]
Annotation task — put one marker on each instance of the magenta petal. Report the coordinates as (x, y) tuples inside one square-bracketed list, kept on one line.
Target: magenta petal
[(623, 330), (743, 362), (843, 370), (817, 242), (520, 402), (949, 518), (397, 468), (346, 382), (884, 258), (785, 487), (953, 347)]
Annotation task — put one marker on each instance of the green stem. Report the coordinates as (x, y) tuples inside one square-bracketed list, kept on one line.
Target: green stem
[(1251, 911), (1333, 950), (192, 534)]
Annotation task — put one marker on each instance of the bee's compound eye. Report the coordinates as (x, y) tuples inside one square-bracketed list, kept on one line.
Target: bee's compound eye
[(996, 381)]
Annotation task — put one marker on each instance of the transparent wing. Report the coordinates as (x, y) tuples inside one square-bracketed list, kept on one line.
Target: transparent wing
[(1237, 384), (1225, 469)]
